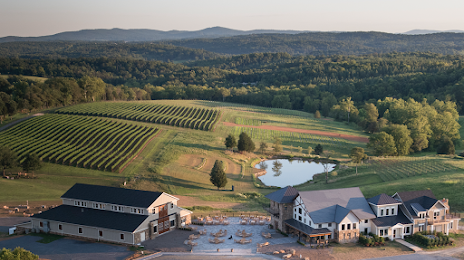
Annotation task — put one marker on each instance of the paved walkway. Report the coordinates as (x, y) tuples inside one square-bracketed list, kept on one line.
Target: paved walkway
[(409, 245)]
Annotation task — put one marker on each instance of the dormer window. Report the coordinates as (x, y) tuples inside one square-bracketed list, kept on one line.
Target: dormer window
[(387, 212), (393, 211), (381, 212)]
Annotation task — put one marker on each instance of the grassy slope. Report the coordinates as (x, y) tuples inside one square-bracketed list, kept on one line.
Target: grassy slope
[(160, 166)]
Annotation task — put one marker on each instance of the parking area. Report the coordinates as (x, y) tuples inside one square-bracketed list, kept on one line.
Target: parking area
[(66, 248)]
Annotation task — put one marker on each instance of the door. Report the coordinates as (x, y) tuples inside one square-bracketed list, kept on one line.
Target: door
[(163, 225), (142, 237), (365, 231)]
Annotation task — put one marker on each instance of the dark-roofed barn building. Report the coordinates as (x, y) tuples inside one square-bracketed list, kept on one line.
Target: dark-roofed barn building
[(112, 214)]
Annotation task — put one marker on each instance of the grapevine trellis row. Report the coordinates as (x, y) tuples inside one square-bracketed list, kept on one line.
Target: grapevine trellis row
[(268, 135), (394, 169), (187, 117), (93, 143)]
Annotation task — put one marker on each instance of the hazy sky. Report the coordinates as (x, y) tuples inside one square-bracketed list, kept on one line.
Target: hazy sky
[(45, 17)]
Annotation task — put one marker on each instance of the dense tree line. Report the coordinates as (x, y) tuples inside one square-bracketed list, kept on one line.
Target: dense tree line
[(328, 43), (61, 50)]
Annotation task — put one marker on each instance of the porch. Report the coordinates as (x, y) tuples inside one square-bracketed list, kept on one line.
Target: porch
[(307, 234)]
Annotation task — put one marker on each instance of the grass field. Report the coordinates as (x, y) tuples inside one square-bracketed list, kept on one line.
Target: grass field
[(179, 160)]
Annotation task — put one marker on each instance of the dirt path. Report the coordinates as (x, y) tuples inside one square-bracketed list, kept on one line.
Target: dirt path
[(19, 121), (304, 131)]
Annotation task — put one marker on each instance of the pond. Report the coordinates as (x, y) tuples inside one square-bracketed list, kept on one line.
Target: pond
[(283, 172)]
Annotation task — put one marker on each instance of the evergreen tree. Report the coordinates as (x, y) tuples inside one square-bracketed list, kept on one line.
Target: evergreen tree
[(218, 177), (31, 162), (230, 142), (245, 143), (319, 149)]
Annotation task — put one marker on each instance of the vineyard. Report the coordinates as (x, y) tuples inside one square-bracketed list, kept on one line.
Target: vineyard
[(181, 116), (399, 168), (246, 121), (268, 135), (93, 143)]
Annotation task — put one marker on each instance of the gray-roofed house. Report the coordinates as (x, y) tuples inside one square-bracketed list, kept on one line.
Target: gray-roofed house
[(112, 214), (281, 206), (427, 212), (391, 221), (341, 214)]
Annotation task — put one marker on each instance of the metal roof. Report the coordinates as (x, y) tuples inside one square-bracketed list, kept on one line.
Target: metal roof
[(322, 204), (112, 195), (93, 218), (307, 229), (383, 199), (284, 195), (390, 221)]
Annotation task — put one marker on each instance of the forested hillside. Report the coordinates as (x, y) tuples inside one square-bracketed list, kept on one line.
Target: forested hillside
[(146, 51), (329, 43), (259, 78)]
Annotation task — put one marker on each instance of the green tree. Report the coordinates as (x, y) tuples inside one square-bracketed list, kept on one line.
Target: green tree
[(8, 158), (317, 114), (277, 145), (217, 176), (282, 101), (401, 135), (446, 146), (318, 149), (309, 150), (31, 162), (230, 142), (300, 149), (17, 254), (245, 144), (382, 143), (262, 147), (357, 154)]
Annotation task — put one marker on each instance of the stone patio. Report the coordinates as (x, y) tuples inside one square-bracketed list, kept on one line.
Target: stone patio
[(206, 247)]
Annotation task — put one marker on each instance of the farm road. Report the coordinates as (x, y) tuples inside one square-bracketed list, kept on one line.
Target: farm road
[(19, 121), (304, 131)]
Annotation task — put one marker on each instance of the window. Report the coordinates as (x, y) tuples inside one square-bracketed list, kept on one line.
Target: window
[(393, 211), (381, 212), (436, 214), (304, 220), (329, 236), (406, 230), (299, 210), (155, 229), (41, 224), (80, 230), (386, 232), (172, 223), (354, 225), (60, 227), (343, 226), (299, 218), (366, 221), (381, 232), (348, 226), (320, 225), (309, 222), (451, 225), (295, 209), (121, 236), (421, 228), (387, 212), (329, 225), (100, 233), (172, 205), (295, 216)]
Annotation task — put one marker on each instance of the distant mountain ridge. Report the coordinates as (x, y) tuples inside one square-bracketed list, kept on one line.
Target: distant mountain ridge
[(425, 31), (141, 35)]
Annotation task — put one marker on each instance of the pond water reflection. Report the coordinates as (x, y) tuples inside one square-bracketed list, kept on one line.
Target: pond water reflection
[(283, 172)]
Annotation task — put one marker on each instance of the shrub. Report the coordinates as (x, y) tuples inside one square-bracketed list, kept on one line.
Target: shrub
[(334, 174)]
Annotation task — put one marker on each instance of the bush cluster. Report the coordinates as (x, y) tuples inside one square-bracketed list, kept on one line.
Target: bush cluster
[(439, 240), (373, 240)]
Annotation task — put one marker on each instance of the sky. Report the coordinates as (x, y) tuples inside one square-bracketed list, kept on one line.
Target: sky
[(46, 17)]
